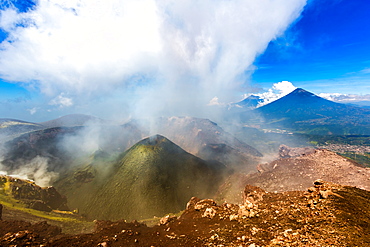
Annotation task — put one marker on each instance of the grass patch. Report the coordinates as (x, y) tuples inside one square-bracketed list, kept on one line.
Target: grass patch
[(70, 224)]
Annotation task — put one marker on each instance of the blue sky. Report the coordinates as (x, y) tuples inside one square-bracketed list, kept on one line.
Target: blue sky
[(327, 50), (172, 57)]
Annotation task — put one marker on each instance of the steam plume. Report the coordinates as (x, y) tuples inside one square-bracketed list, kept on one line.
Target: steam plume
[(144, 51)]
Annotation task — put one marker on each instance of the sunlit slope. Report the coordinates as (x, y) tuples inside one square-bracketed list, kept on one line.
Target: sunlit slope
[(152, 178), (11, 127), (25, 200)]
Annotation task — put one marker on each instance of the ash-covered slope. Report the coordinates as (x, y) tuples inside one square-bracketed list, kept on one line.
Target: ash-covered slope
[(230, 157), (154, 177), (297, 173)]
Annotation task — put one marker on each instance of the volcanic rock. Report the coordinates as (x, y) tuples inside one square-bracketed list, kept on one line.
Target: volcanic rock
[(295, 218), (288, 152)]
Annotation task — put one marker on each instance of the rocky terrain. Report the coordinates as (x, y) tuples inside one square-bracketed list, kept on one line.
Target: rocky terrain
[(324, 215), (297, 169), (297, 173)]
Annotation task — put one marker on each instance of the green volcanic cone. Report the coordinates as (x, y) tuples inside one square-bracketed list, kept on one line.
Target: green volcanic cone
[(152, 178)]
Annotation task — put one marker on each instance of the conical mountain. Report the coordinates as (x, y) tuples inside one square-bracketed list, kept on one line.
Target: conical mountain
[(303, 110), (301, 105), (152, 178)]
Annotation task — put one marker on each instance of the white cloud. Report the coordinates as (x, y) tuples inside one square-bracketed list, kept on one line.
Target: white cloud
[(214, 101), (331, 96), (277, 91), (32, 110), (61, 101), (365, 71), (91, 47)]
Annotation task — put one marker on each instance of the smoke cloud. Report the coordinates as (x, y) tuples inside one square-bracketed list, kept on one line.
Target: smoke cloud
[(169, 56), (36, 170)]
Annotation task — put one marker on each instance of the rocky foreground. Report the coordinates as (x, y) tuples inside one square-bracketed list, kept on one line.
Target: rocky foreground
[(325, 215)]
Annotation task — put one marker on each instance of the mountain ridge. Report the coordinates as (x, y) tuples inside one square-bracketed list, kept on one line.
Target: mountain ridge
[(73, 120)]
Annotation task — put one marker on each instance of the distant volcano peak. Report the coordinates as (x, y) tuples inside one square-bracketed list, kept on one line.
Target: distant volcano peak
[(301, 96), (301, 90), (302, 93)]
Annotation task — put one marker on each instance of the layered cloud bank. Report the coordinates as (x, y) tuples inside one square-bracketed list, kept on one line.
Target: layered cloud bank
[(345, 98), (169, 54)]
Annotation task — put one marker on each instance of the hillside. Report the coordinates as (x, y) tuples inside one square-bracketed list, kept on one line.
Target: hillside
[(72, 120), (154, 177), (10, 128), (60, 147), (25, 200), (44, 144)]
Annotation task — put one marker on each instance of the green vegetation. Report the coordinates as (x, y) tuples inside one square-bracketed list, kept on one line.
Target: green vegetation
[(363, 159), (362, 140), (69, 223)]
